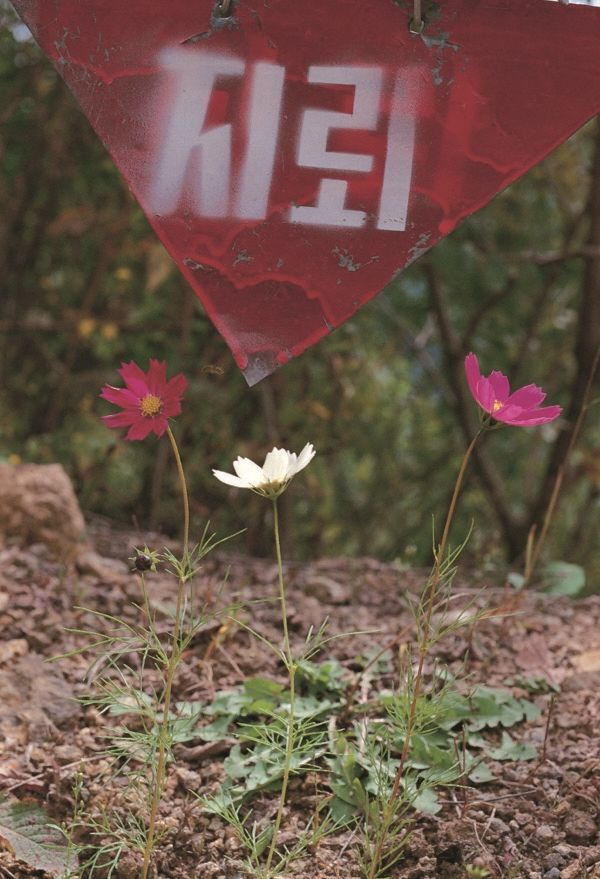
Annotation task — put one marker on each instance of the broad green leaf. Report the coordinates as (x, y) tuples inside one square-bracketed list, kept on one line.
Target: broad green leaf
[(533, 684), (259, 689), (325, 677), (453, 708), (190, 709), (511, 750), (563, 578), (216, 730), (427, 801), (342, 811), (493, 707), (425, 755), (481, 774), (27, 834), (229, 702)]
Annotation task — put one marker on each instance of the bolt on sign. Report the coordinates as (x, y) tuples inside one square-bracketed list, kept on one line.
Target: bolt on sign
[(294, 157)]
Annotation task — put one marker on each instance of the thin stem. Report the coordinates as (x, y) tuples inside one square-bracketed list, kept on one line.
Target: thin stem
[(174, 657), (532, 557), (424, 646), (184, 492), (147, 610), (417, 19), (291, 667)]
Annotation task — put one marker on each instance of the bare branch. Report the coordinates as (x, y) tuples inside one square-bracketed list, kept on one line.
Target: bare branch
[(587, 344)]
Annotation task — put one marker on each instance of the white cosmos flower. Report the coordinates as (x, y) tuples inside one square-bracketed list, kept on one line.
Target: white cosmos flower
[(273, 477)]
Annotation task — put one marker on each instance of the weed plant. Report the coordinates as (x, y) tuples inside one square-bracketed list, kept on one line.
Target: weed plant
[(141, 746)]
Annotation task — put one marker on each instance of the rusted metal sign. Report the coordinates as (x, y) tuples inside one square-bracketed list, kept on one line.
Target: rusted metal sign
[(293, 157)]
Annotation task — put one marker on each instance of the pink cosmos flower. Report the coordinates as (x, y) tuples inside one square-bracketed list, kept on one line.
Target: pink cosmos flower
[(493, 395), (148, 400)]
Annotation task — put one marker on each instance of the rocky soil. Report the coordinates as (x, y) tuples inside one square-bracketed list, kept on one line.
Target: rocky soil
[(536, 819)]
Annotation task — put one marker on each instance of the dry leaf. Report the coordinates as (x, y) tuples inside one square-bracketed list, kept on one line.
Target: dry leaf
[(589, 660)]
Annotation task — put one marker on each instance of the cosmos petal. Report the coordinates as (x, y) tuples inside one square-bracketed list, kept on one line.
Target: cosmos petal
[(305, 457), (527, 397), (485, 394), (500, 386), (248, 471), (531, 417), (509, 412), (176, 386), (276, 465), (120, 397), (158, 424), (230, 479), (120, 419), (134, 378), (139, 430), (157, 377), (473, 373), (171, 407)]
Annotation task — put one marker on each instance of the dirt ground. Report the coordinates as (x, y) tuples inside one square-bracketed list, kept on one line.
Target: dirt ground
[(536, 819)]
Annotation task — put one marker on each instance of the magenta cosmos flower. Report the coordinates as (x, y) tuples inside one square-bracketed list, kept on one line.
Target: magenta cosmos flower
[(148, 400), (493, 395)]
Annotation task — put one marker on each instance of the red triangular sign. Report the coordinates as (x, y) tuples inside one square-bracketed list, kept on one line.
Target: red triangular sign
[(293, 157)]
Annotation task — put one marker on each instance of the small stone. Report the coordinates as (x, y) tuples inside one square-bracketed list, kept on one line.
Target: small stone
[(499, 826), (327, 590), (197, 844), (573, 871), (553, 859), (130, 865), (591, 857), (580, 827), (562, 808), (553, 873), (562, 849), (65, 754), (423, 869), (544, 833), (13, 649)]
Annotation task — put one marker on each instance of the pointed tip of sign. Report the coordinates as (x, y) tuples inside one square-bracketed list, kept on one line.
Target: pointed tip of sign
[(259, 366)]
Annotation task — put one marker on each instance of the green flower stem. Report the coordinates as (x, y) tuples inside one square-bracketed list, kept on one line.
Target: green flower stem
[(147, 609), (184, 493), (291, 667), (424, 645), (173, 662)]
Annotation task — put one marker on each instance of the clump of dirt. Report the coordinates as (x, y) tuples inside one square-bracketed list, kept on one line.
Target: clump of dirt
[(536, 820)]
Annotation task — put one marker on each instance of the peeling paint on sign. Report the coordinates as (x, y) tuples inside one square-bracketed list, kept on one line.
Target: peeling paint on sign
[(293, 161)]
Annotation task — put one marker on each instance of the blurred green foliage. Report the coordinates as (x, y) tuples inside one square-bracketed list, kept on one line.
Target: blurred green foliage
[(87, 285)]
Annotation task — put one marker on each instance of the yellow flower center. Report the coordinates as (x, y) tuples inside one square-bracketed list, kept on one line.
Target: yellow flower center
[(496, 405), (150, 405)]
